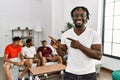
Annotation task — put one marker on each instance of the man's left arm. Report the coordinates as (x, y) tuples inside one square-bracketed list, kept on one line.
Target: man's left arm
[(94, 52)]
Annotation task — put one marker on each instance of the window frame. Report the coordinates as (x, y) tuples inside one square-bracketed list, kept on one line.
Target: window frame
[(103, 32)]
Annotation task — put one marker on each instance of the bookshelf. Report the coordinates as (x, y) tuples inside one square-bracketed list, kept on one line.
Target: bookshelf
[(24, 34)]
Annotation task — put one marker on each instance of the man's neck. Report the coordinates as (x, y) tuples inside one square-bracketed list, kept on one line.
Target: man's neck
[(28, 46), (79, 30), (14, 45), (44, 47)]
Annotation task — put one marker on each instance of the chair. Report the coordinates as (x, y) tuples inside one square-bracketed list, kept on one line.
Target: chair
[(116, 75)]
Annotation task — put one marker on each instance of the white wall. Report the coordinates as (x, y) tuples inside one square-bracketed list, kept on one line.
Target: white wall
[(52, 18), (14, 13), (110, 63), (57, 18), (46, 17)]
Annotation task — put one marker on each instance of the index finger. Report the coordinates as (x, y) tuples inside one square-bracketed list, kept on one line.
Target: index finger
[(53, 39), (71, 39), (50, 37)]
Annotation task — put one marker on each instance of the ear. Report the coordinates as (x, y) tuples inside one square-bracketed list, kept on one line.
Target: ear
[(86, 20)]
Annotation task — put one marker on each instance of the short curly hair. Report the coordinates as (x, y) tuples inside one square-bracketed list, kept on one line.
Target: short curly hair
[(83, 8), (28, 41), (16, 38)]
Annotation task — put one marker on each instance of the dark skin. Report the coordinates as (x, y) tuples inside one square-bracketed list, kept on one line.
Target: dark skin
[(79, 19), (44, 45), (29, 45), (35, 60)]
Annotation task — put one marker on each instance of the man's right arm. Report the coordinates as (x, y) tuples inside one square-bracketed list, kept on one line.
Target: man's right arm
[(61, 48), (8, 60), (40, 54)]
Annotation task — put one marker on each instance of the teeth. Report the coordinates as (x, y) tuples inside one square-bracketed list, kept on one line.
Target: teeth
[(79, 22)]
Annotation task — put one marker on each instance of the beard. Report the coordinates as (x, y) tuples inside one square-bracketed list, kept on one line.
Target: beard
[(79, 25)]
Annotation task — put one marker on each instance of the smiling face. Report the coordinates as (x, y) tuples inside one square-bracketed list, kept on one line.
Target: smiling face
[(79, 17), (30, 43)]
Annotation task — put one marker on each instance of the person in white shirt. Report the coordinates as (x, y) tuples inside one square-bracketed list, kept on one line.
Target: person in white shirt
[(29, 53), (83, 45)]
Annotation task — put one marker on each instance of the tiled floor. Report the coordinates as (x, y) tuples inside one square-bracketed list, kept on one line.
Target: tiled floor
[(104, 74)]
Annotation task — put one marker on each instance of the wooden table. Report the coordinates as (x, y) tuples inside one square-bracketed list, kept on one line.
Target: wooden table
[(46, 69)]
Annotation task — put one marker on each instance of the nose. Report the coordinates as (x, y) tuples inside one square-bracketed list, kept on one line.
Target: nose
[(79, 17)]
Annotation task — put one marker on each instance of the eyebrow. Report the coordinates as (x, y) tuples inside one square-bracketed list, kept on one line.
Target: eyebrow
[(80, 14)]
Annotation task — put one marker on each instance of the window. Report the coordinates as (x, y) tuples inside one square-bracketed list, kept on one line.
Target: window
[(111, 38)]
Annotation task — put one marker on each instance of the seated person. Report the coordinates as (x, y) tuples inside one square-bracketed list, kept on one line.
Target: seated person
[(54, 47), (11, 58), (46, 52), (29, 53), (63, 54)]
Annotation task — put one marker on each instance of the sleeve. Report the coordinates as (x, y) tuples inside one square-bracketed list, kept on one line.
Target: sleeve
[(34, 50), (20, 49), (7, 51), (96, 38), (63, 39), (39, 49), (23, 52), (51, 48)]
